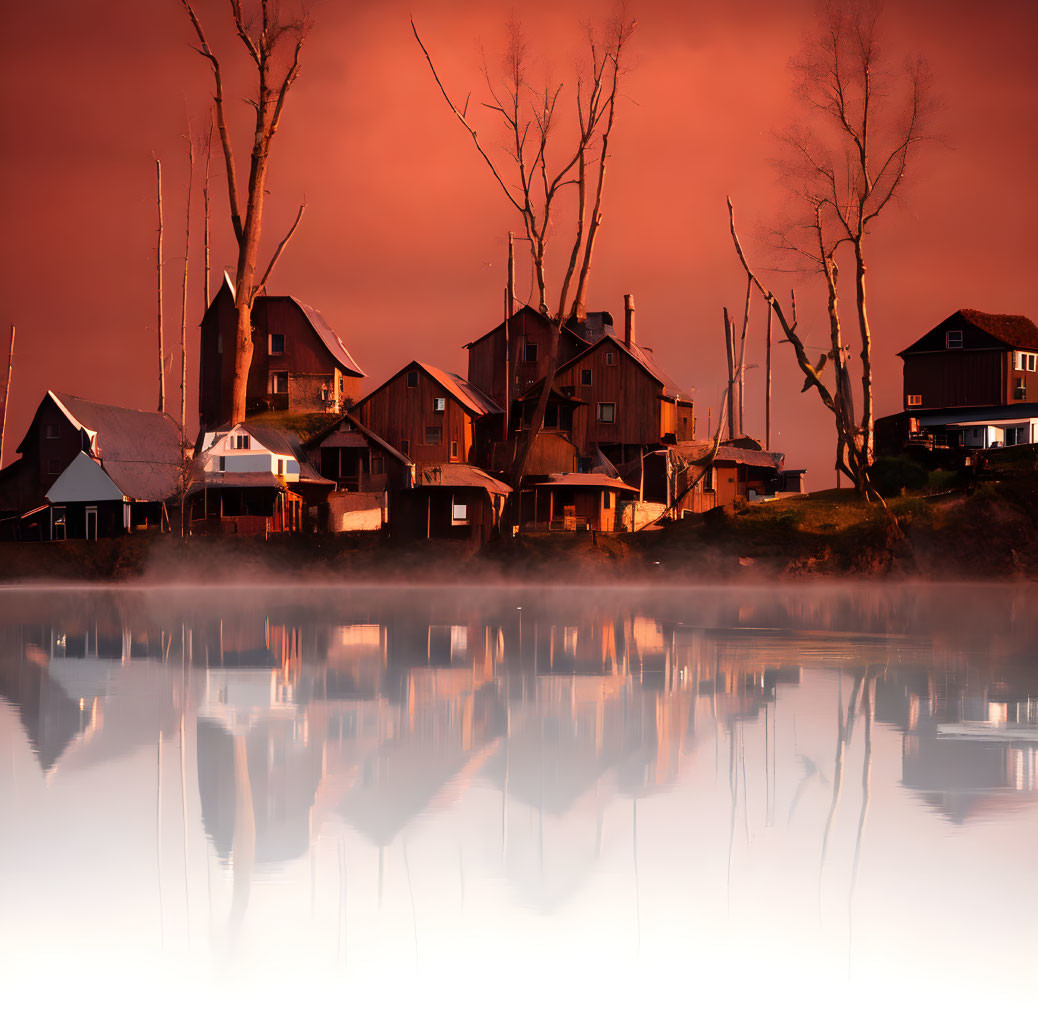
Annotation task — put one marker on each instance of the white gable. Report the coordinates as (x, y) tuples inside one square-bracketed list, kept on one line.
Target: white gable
[(84, 480)]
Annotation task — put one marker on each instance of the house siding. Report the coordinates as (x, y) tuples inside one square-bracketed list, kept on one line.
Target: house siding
[(959, 378)]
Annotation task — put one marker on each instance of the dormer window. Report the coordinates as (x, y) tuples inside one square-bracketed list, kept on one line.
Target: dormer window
[(277, 343), (439, 404), (953, 338)]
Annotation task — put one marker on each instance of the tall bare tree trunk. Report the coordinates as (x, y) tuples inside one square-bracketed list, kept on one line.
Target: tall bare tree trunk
[(183, 290), (205, 220), (7, 394), (767, 384), (728, 339), (158, 264), (867, 448)]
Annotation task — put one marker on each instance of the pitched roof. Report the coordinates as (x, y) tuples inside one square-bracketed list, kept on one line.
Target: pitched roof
[(284, 443), (587, 480), (474, 400), (694, 453), (326, 437), (644, 357), (524, 308), (459, 475), (329, 337), (1012, 331), (139, 449)]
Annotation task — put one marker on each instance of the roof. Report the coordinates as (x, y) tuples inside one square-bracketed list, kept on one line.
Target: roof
[(474, 400), (284, 443), (325, 437), (139, 449), (524, 308), (248, 479), (459, 475), (1009, 330), (644, 357), (587, 480), (329, 337), (694, 453)]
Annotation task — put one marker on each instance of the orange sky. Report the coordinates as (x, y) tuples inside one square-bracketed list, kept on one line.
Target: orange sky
[(402, 246)]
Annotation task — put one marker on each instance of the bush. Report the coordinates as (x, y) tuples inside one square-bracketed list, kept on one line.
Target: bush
[(891, 475)]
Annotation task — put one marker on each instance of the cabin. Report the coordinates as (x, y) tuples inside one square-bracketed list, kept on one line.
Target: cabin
[(739, 469), (431, 416), (364, 468), (450, 501), (299, 364), (251, 480), (628, 402), (971, 382), (90, 470), (569, 502), (524, 342)]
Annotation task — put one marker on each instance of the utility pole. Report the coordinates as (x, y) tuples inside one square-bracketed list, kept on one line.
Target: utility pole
[(7, 395), (729, 337), (767, 385)]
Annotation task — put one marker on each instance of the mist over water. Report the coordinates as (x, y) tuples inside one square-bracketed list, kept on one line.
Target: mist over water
[(495, 796)]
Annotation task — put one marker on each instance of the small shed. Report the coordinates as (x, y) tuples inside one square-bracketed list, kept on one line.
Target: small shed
[(573, 501), (455, 501)]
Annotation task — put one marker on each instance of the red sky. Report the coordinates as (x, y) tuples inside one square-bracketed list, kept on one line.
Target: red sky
[(402, 245)]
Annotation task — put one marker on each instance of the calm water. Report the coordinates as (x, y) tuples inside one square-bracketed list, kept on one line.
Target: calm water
[(493, 797)]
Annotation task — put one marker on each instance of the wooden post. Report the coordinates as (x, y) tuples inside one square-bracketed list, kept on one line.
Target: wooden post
[(158, 265), (183, 299), (767, 384), (728, 337), (205, 218), (7, 395)]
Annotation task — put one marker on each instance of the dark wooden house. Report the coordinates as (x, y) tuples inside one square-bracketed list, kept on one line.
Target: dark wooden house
[(569, 502), (453, 501), (431, 416), (626, 401), (117, 467), (299, 364)]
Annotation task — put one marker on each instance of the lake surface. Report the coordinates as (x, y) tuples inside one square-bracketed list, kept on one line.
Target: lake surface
[(486, 797)]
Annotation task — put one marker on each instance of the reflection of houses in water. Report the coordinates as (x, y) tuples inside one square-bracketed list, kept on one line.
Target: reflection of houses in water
[(967, 750), (82, 688)]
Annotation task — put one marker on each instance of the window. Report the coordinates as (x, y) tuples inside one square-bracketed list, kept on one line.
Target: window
[(439, 404), (1020, 392), (405, 446), (605, 413), (50, 431), (241, 442), (530, 353), (53, 466), (708, 479), (58, 533), (1026, 361), (459, 513), (585, 376), (953, 338), (412, 379), (281, 467), (607, 499), (610, 357), (433, 435), (221, 463), (279, 382), (277, 343), (914, 400), (378, 464), (454, 450)]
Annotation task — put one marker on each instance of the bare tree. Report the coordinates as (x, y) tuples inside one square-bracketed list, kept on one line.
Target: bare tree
[(183, 287), (158, 266), (273, 43), (844, 167), (539, 166)]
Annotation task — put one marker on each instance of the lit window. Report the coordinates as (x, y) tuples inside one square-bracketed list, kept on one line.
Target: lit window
[(915, 400), (530, 353), (412, 379), (50, 431), (433, 435), (1026, 361), (277, 343), (585, 376), (439, 405), (459, 513), (953, 338), (605, 413)]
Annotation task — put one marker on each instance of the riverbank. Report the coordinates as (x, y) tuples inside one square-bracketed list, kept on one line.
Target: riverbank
[(990, 533)]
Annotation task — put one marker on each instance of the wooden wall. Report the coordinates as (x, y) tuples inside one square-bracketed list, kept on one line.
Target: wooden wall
[(626, 384), (960, 378), (397, 412)]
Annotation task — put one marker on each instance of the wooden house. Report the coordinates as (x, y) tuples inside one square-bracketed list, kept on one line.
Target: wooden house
[(452, 501), (568, 502), (251, 480), (509, 359), (431, 416), (971, 382), (90, 469), (623, 402), (739, 469), (299, 364)]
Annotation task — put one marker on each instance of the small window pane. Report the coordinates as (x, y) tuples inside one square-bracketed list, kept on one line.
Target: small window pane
[(530, 352), (459, 513), (439, 405), (585, 376), (412, 379), (606, 413), (277, 343), (433, 435)]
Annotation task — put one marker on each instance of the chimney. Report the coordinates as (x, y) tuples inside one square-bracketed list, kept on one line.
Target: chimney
[(629, 320)]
